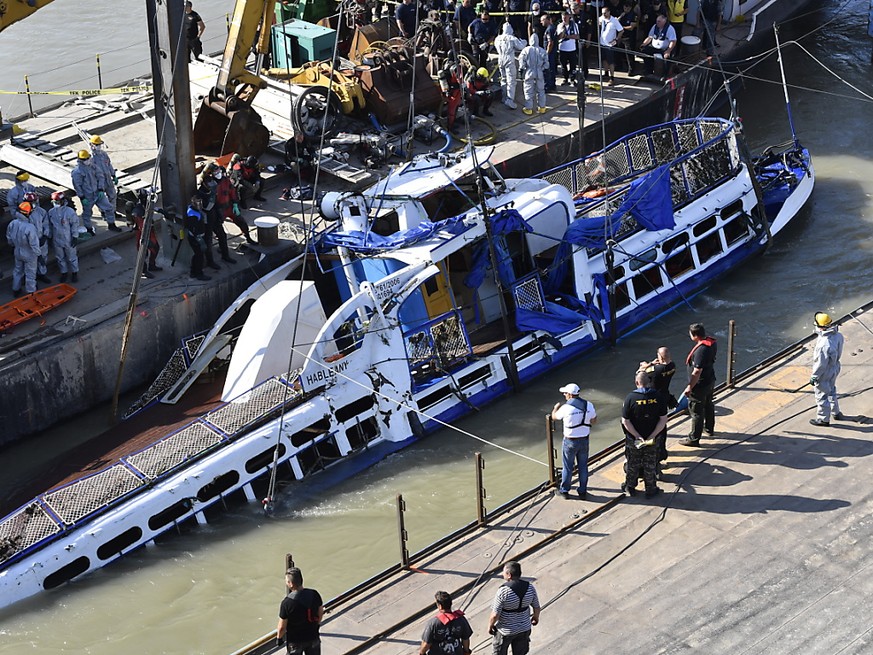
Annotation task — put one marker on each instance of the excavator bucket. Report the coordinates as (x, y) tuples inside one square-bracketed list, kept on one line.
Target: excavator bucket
[(224, 126)]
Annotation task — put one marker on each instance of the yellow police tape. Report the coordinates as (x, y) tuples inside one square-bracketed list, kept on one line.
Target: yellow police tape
[(119, 90)]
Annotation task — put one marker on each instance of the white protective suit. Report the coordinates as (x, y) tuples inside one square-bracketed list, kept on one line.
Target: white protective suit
[(15, 195), (533, 61), (64, 230), (87, 187), (825, 368), (21, 235), (105, 172), (508, 46), (39, 217)]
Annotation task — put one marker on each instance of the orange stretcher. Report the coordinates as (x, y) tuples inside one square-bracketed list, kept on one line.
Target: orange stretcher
[(34, 304)]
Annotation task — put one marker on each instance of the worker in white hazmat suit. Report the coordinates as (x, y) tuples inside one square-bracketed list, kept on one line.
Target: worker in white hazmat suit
[(65, 230), (508, 46), (39, 217), (21, 235), (106, 176), (825, 369), (533, 62)]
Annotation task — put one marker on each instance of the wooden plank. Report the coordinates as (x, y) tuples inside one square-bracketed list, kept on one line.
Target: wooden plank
[(37, 166)]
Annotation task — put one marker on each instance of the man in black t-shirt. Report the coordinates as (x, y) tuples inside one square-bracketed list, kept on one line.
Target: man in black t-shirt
[(701, 382), (300, 614), (661, 370), (643, 417), (447, 633), (194, 28)]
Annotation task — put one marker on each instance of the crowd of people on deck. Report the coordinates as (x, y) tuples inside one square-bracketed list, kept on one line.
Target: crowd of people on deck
[(34, 229), (545, 39)]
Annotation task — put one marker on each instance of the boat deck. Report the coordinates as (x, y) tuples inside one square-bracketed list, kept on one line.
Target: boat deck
[(757, 545), (125, 438)]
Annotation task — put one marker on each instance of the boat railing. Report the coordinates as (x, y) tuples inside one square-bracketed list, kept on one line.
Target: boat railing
[(51, 513), (437, 344), (700, 153)]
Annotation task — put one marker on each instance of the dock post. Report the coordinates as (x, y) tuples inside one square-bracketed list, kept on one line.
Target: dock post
[(289, 561), (99, 73), (732, 332), (401, 528), (550, 449), (481, 512), (29, 99)]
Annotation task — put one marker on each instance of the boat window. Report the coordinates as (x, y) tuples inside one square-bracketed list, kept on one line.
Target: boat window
[(327, 449), (114, 546), (478, 375), (169, 515), (364, 432), (353, 409), (674, 243), (736, 230), (431, 286), (433, 398), (386, 224), (516, 244), (679, 264), (622, 299), (704, 226), (647, 281), (736, 207), (643, 259), (218, 486), (66, 573), (618, 272), (263, 459), (708, 247)]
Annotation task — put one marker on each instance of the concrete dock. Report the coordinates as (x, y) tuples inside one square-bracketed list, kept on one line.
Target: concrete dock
[(759, 543)]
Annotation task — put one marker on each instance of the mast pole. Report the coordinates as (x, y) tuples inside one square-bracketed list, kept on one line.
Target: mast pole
[(784, 85)]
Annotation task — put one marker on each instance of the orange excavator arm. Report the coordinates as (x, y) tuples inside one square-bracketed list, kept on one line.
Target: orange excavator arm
[(226, 121), (12, 11)]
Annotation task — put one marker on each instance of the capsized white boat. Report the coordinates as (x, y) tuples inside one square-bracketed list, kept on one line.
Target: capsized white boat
[(439, 289)]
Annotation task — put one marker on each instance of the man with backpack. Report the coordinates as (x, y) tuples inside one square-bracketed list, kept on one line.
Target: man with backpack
[(447, 633), (578, 415), (515, 609), (300, 614)]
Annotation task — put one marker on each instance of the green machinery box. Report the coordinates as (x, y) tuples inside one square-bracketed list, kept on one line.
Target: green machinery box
[(296, 42)]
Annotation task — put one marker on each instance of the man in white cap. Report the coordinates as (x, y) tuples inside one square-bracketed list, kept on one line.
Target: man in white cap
[(578, 415)]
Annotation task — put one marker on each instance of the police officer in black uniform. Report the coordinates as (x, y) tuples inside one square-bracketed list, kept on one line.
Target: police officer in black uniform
[(643, 417), (661, 370)]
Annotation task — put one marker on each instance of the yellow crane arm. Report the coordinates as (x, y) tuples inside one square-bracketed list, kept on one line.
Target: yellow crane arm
[(12, 11), (249, 30)]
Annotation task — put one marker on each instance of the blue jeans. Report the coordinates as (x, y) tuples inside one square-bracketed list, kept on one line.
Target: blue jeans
[(575, 451)]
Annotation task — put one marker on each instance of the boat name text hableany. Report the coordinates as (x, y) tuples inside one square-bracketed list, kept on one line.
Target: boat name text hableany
[(325, 374)]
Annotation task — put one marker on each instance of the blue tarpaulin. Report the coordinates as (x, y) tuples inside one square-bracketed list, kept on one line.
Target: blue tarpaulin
[(503, 222), (370, 242), (648, 200), (554, 320)]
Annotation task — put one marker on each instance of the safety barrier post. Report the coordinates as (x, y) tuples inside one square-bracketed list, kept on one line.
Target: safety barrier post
[(401, 528), (227, 22), (732, 332), (550, 449), (99, 73), (27, 90), (480, 491)]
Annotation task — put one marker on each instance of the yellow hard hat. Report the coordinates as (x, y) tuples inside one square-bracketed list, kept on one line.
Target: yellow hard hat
[(96, 140), (22, 176), (84, 154), (25, 208), (482, 72), (822, 320)]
